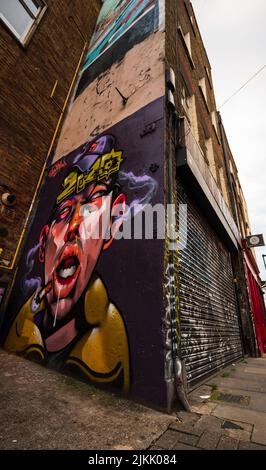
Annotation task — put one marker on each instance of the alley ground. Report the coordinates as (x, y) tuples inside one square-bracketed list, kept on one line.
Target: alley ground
[(41, 409)]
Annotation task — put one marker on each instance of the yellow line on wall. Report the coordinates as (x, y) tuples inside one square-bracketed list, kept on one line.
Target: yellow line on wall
[(10, 268)]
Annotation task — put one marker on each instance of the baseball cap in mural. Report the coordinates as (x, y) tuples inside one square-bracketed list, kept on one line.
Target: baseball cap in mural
[(98, 161), (92, 151)]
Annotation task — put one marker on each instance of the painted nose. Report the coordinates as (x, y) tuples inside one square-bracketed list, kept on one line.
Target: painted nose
[(73, 228), (72, 233)]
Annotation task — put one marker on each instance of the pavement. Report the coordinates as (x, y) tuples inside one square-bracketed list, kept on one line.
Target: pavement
[(43, 409)]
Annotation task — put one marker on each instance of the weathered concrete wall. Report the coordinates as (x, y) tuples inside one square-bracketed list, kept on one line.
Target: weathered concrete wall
[(138, 76)]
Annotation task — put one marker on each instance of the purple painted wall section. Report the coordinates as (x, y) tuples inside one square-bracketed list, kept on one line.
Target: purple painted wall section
[(83, 302), (85, 307)]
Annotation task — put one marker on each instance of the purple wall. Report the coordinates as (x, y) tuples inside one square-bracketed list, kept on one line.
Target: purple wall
[(131, 270)]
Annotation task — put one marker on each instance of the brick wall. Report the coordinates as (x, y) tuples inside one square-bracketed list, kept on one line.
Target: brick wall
[(28, 116), (190, 69)]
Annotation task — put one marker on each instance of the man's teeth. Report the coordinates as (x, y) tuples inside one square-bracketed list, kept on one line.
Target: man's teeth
[(67, 272)]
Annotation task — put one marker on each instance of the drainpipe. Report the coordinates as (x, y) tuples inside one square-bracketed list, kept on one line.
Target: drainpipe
[(177, 366)]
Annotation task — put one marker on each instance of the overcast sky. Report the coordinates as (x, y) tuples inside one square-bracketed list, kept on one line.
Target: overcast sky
[(234, 34)]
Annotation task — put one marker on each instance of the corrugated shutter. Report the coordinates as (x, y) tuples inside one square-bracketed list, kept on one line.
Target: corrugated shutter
[(210, 333)]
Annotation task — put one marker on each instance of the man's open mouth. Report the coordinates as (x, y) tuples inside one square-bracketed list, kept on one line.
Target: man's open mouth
[(67, 269)]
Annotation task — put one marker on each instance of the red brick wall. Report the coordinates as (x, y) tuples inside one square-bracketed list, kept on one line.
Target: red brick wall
[(180, 13), (28, 116)]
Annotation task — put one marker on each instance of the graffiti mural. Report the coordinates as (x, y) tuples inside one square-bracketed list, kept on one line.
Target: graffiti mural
[(86, 300), (46, 325), (121, 25), (116, 17), (83, 299)]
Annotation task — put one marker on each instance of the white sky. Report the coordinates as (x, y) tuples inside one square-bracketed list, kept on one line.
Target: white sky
[(234, 34)]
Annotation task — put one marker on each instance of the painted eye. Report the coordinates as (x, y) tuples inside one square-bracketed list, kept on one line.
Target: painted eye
[(87, 210), (63, 213), (98, 194)]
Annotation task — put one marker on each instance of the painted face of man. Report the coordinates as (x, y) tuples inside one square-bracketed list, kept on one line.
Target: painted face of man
[(73, 243)]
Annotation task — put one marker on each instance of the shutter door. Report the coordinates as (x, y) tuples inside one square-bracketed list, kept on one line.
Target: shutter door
[(210, 333)]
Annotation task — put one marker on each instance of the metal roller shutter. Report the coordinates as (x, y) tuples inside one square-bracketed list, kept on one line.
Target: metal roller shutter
[(210, 333)]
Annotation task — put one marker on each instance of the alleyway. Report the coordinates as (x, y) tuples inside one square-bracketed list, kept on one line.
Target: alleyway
[(41, 409)]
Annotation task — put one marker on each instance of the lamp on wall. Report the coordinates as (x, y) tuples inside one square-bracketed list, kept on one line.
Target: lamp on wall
[(255, 240), (8, 199)]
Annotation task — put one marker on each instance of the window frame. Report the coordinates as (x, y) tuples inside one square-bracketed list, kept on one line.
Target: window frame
[(24, 40), (208, 74), (187, 43), (215, 124), (204, 92), (185, 97), (190, 16)]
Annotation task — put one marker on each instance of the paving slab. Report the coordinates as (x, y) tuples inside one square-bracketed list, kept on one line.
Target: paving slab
[(186, 417), (209, 423), (248, 376), (181, 446), (259, 433), (240, 384), (243, 434), (227, 443), (204, 408), (255, 370), (256, 360), (186, 428), (209, 440), (256, 400), (256, 418), (168, 440), (239, 414), (187, 438), (245, 445)]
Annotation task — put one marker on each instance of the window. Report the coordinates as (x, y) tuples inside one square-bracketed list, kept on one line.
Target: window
[(188, 42), (186, 39), (202, 85), (190, 16), (193, 118), (208, 73), (189, 106), (21, 16), (231, 168), (214, 122), (224, 185), (210, 157), (185, 100)]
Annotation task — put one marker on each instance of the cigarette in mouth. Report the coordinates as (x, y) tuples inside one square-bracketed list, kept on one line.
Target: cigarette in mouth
[(44, 292)]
